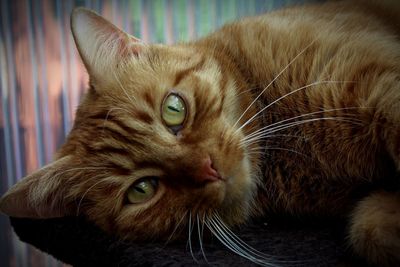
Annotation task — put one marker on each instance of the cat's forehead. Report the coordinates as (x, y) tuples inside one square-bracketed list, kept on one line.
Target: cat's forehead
[(159, 71), (161, 65)]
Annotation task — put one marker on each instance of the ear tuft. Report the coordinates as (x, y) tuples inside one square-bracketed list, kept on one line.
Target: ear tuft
[(100, 43)]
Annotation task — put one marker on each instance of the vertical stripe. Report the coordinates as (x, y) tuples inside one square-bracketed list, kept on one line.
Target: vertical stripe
[(13, 111), (7, 251), (180, 19), (168, 22), (190, 9), (64, 90), (125, 16), (73, 87), (6, 87), (145, 21), (35, 86), (136, 10), (47, 135), (116, 16), (157, 14)]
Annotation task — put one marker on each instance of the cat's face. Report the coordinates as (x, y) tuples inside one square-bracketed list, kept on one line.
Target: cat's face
[(155, 140)]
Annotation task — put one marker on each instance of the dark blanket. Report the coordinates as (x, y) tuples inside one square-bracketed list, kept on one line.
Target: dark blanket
[(299, 243)]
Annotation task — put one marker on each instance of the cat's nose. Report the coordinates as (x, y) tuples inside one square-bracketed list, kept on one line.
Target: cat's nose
[(206, 172)]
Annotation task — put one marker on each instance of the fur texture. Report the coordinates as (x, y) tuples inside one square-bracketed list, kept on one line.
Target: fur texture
[(298, 111)]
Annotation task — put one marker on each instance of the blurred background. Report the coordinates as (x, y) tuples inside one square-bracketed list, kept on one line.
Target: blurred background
[(42, 78)]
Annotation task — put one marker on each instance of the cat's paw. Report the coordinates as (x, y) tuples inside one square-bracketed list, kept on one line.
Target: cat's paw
[(375, 229)]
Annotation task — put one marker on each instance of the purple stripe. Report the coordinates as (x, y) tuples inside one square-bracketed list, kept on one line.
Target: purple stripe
[(190, 10), (47, 133), (13, 91), (168, 23)]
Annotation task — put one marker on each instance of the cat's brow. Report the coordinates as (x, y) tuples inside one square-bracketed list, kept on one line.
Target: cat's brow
[(181, 74)]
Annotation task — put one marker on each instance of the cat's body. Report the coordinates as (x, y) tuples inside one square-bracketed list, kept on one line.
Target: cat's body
[(323, 82), (348, 70)]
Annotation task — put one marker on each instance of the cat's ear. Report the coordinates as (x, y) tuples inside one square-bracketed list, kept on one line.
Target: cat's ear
[(40, 194), (101, 44)]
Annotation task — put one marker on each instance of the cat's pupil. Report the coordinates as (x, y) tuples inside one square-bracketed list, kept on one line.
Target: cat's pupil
[(173, 108), (140, 190)]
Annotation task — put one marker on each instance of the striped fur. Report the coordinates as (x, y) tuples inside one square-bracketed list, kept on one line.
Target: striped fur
[(330, 140)]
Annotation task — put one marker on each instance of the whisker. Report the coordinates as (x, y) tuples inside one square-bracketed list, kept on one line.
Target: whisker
[(273, 80), (83, 196), (271, 136), (264, 150), (200, 233), (83, 169), (175, 228), (108, 114), (237, 239), (292, 124), (217, 231), (287, 149), (190, 238), (304, 115), (286, 95), (123, 89), (260, 152)]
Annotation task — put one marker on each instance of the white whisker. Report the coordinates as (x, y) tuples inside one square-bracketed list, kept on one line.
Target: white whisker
[(221, 235), (123, 89), (287, 149), (264, 150), (108, 114), (175, 228), (273, 80), (222, 232), (237, 239), (265, 133), (190, 238), (83, 196), (300, 116), (200, 233), (286, 95)]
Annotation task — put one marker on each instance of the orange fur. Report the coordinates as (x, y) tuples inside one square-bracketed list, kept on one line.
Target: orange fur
[(338, 62)]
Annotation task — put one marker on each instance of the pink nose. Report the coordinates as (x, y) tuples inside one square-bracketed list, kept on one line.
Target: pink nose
[(207, 173)]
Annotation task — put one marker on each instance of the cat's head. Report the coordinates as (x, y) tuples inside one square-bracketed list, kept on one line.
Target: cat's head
[(156, 139)]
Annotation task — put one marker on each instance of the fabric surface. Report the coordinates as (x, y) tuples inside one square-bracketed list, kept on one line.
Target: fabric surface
[(296, 243)]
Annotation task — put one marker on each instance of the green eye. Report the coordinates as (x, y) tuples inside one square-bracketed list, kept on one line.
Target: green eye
[(142, 190), (173, 110)]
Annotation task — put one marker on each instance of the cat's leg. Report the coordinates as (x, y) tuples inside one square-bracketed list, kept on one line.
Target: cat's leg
[(375, 228), (375, 221)]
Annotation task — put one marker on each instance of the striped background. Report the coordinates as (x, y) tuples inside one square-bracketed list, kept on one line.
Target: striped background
[(42, 78)]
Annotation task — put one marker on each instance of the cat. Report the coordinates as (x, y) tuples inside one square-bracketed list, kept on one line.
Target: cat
[(295, 112)]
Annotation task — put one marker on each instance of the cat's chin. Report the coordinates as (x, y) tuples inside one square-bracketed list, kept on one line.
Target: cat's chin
[(240, 189)]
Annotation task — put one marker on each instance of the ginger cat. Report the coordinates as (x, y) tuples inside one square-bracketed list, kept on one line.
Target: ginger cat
[(296, 111)]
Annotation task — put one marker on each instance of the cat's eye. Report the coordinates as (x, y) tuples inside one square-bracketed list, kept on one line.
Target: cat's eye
[(142, 190), (173, 111)]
